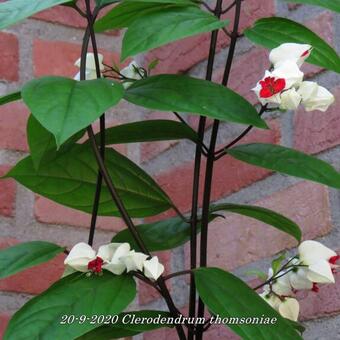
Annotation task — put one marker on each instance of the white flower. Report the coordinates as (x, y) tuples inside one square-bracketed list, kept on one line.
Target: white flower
[(112, 255), (268, 89), (80, 256), (290, 72), (134, 261), (290, 51), (288, 307), (152, 268), (280, 286), (290, 99), (315, 97), (321, 261), (130, 72), (90, 72)]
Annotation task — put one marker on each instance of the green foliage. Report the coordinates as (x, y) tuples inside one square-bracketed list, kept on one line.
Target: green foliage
[(272, 32), (287, 161), (10, 97), (161, 235), (229, 297), (121, 329), (333, 5), (277, 263), (264, 215), (157, 28), (76, 295), (148, 131), (125, 13), (102, 3), (42, 143), (15, 10), (25, 255), (70, 179), (257, 273), (65, 106), (182, 93)]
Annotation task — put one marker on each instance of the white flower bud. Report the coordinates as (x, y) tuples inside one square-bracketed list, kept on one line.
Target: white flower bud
[(153, 269), (290, 100), (290, 51)]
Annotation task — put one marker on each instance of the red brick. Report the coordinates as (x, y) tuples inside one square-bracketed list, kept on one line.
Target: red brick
[(47, 211), (150, 150), (62, 15), (242, 79), (61, 58), (9, 57), (184, 54), (318, 131), (36, 279), (323, 26), (13, 120), (7, 193), (230, 175), (238, 240), (322, 304), (4, 319), (147, 293)]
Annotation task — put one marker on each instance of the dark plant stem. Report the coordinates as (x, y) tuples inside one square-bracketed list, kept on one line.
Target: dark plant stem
[(210, 162), (196, 179), (180, 273), (104, 173), (220, 153)]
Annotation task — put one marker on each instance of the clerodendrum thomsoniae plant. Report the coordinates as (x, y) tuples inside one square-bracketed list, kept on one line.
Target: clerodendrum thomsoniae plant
[(88, 302)]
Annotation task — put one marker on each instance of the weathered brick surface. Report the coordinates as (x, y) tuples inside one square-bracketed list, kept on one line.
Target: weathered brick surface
[(62, 56), (224, 183), (7, 193), (47, 211), (13, 120), (317, 131), (182, 55), (237, 240), (9, 57)]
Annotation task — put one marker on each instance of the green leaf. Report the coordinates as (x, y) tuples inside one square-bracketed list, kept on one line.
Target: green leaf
[(102, 3), (25, 255), (333, 5), (42, 143), (287, 161), (157, 236), (272, 32), (276, 263), (157, 28), (160, 235), (65, 106), (10, 97), (257, 273), (15, 10), (297, 325), (148, 131), (125, 13), (182, 93), (75, 295), (264, 215), (229, 297), (124, 327), (70, 179)]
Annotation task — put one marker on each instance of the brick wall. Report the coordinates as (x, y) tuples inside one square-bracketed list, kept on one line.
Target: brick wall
[(50, 43)]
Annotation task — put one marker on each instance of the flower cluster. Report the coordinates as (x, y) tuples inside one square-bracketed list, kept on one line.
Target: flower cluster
[(114, 257), (283, 84), (315, 264)]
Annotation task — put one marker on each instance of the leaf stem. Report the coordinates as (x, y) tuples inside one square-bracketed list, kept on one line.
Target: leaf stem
[(104, 172), (211, 160)]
